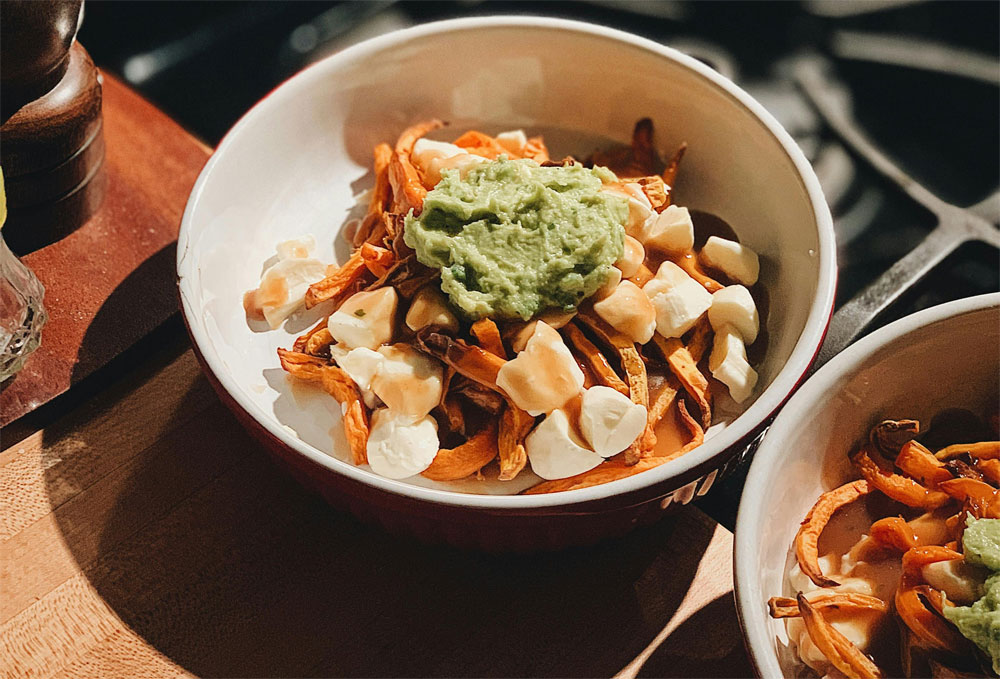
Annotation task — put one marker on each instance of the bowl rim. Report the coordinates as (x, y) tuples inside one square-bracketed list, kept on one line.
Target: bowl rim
[(746, 581), (788, 377)]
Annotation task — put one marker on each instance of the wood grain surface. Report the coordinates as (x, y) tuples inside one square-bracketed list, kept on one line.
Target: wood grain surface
[(111, 281), (145, 534)]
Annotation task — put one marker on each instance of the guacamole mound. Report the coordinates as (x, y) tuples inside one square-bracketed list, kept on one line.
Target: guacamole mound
[(513, 238), (980, 622)]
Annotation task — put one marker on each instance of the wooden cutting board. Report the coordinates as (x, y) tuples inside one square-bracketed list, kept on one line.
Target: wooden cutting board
[(111, 281)]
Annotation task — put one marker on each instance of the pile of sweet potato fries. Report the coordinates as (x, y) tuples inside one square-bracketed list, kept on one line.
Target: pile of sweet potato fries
[(668, 376), (942, 486)]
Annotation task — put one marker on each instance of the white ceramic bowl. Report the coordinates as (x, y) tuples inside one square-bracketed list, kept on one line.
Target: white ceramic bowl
[(944, 357), (295, 163)]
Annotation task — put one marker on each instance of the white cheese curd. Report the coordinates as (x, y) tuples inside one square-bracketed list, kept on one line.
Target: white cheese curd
[(728, 363), (407, 381), (366, 319), (629, 311), (514, 141), (640, 210), (296, 248), (430, 308), (736, 261), (283, 287), (400, 446), (554, 319), (672, 231), (609, 420), (733, 305), (632, 257), (361, 365), (555, 451), (544, 376), (962, 583), (679, 300)]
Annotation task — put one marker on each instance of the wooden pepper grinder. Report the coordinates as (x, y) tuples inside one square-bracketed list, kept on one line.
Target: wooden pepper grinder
[(51, 137)]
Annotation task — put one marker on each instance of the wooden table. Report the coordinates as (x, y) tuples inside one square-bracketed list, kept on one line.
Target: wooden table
[(143, 533)]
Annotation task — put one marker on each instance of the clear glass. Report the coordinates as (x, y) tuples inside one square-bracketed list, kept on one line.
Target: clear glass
[(21, 312)]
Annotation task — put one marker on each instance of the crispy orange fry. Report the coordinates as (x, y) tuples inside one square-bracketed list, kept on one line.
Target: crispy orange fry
[(916, 461), (595, 360), (488, 335), (983, 498), (984, 450), (990, 469), (697, 433), (451, 464), (784, 607), (451, 407), (319, 342), (380, 196), (338, 384), (664, 398), (685, 368), (930, 628), (407, 188), (899, 488), (336, 282), (483, 145), (471, 361), (670, 173), (607, 471), (536, 150), (656, 191), (807, 539), (302, 341), (700, 339), (837, 648), (514, 427), (895, 533), (377, 259)]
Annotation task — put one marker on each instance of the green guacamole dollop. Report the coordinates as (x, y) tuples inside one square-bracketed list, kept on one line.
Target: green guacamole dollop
[(513, 238), (980, 622)]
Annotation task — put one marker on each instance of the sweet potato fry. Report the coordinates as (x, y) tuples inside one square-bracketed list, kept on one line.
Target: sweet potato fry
[(302, 341), (685, 368), (536, 150), (893, 532), (982, 498), (837, 648), (990, 469), (377, 259), (451, 464), (926, 625), (484, 145), (408, 190), (380, 196), (916, 461), (784, 607), (407, 276), (807, 539), (337, 281), (984, 450), (451, 408), (899, 488), (595, 360), (656, 191), (700, 339), (488, 335), (610, 470), (632, 365), (514, 427), (697, 433), (660, 403), (475, 363), (338, 384), (319, 342), (670, 173)]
